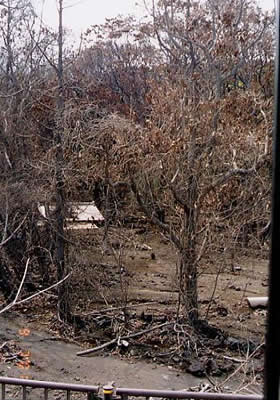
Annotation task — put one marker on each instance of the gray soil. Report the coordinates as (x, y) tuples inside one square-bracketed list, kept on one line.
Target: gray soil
[(150, 274), (56, 360)]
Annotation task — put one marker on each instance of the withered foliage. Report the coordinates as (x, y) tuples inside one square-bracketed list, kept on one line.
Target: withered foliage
[(171, 118)]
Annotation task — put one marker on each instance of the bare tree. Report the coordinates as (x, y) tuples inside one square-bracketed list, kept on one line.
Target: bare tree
[(63, 301), (25, 74), (189, 155)]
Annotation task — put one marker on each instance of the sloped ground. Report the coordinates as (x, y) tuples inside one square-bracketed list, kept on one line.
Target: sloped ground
[(142, 268), (128, 287), (54, 359)]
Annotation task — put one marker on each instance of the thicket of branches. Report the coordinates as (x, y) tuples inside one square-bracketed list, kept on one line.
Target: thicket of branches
[(173, 115)]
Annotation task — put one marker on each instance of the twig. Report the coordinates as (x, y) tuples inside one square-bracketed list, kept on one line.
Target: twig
[(15, 231), (202, 247), (136, 334), (242, 365), (44, 290), (19, 289), (213, 292), (104, 310), (237, 360), (133, 335), (15, 302)]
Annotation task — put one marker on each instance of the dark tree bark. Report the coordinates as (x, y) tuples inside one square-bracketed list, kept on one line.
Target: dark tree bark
[(64, 312), (6, 285)]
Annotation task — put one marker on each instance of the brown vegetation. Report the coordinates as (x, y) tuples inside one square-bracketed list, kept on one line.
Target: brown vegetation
[(167, 121)]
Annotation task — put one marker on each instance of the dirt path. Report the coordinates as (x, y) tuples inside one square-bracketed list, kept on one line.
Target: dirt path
[(53, 359)]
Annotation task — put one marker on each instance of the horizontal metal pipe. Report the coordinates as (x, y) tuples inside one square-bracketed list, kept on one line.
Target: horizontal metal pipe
[(129, 392), (49, 385), (185, 395)]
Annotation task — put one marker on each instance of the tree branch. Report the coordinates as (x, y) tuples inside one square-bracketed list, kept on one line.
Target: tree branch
[(4, 241), (164, 227), (118, 339), (227, 176)]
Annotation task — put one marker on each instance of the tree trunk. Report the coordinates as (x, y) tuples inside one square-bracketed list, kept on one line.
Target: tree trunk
[(188, 265), (6, 282), (64, 312), (188, 286)]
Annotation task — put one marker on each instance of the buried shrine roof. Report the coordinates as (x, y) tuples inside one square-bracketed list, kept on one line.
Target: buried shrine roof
[(78, 214)]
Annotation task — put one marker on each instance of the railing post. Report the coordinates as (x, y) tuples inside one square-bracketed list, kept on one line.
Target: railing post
[(24, 393), (3, 391), (108, 392), (91, 396)]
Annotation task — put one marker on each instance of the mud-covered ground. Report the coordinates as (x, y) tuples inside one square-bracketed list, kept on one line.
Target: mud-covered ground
[(125, 285), (141, 267)]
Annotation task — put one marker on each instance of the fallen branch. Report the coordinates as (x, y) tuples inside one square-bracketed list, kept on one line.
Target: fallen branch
[(94, 349), (120, 338), (236, 360)]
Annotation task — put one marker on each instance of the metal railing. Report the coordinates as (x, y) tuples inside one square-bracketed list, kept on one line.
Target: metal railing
[(124, 393), (91, 391), (109, 393)]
